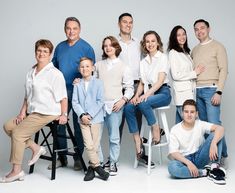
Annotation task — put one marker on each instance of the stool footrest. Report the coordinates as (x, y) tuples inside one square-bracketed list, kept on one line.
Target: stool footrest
[(53, 151)]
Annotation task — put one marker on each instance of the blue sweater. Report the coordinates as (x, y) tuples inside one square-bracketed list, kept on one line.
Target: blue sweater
[(66, 59)]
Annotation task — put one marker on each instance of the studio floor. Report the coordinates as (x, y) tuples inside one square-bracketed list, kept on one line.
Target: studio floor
[(128, 180)]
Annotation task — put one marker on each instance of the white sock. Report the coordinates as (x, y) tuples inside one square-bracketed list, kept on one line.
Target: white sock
[(204, 172), (214, 165)]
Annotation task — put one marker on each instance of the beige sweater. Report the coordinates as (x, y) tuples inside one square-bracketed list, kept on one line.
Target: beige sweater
[(214, 57), (112, 79)]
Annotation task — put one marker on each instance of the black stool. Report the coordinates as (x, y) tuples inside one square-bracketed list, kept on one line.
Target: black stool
[(53, 151)]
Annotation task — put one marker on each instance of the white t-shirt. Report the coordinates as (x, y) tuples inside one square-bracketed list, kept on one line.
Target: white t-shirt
[(86, 84), (45, 90), (131, 55), (149, 69), (188, 141)]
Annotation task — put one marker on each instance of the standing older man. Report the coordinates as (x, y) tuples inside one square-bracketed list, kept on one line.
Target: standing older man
[(66, 58)]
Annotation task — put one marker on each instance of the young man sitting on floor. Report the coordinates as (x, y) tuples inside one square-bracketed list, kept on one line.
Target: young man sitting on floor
[(191, 152)]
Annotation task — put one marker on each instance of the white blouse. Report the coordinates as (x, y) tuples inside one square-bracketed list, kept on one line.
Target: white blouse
[(45, 90), (151, 67)]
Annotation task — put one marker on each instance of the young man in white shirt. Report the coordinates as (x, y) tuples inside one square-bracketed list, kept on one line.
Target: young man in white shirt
[(191, 152), (130, 55)]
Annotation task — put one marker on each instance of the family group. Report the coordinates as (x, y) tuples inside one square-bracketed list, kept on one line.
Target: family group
[(132, 79)]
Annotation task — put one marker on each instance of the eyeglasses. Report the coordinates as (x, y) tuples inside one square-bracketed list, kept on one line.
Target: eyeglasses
[(43, 51)]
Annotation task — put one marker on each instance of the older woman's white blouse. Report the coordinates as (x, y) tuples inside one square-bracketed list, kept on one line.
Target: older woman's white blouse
[(150, 69), (45, 90)]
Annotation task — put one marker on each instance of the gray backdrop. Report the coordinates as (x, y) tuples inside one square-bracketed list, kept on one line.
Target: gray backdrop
[(23, 22)]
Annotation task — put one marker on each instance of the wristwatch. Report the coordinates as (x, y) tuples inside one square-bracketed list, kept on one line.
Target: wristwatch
[(219, 92), (65, 114)]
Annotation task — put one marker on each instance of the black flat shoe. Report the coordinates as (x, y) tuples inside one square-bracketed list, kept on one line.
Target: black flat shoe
[(162, 132)]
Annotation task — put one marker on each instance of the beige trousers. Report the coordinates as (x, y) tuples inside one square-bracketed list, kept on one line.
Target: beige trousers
[(21, 134), (91, 138)]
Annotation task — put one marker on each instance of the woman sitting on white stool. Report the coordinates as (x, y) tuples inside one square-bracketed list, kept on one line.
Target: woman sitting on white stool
[(152, 91)]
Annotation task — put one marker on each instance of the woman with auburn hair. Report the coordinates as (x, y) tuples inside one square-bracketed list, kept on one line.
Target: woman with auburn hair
[(118, 89)]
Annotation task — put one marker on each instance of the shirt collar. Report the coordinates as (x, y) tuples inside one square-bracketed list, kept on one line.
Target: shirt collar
[(113, 61), (121, 40), (47, 67), (157, 55)]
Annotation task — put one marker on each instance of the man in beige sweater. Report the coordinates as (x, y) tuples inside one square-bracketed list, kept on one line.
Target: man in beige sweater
[(210, 83)]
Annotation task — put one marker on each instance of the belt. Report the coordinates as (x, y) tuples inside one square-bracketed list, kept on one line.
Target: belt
[(150, 86), (136, 81)]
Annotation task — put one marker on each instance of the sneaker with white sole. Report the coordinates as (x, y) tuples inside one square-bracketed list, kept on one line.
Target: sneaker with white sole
[(143, 160), (217, 175), (113, 169), (106, 166)]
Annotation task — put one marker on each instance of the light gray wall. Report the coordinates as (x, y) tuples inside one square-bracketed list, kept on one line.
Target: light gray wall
[(25, 21)]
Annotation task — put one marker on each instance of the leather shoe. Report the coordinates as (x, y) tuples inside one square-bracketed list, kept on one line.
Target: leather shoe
[(102, 173), (42, 151), (77, 165), (90, 174), (19, 177)]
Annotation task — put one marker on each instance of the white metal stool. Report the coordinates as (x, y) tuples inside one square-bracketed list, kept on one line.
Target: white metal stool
[(161, 114)]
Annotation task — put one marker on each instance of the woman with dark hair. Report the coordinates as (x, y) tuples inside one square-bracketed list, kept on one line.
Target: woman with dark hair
[(45, 100), (182, 71), (118, 89), (152, 91)]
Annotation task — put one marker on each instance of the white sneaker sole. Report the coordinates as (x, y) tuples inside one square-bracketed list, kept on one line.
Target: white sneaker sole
[(220, 182)]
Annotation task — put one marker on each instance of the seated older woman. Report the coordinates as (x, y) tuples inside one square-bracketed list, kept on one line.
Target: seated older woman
[(45, 100)]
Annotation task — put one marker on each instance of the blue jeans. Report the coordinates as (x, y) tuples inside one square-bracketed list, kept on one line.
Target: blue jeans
[(162, 97), (62, 141), (178, 114), (207, 111), (200, 158), (112, 122)]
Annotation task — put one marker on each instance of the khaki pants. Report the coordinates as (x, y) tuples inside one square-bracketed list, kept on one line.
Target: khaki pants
[(91, 138), (21, 134)]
